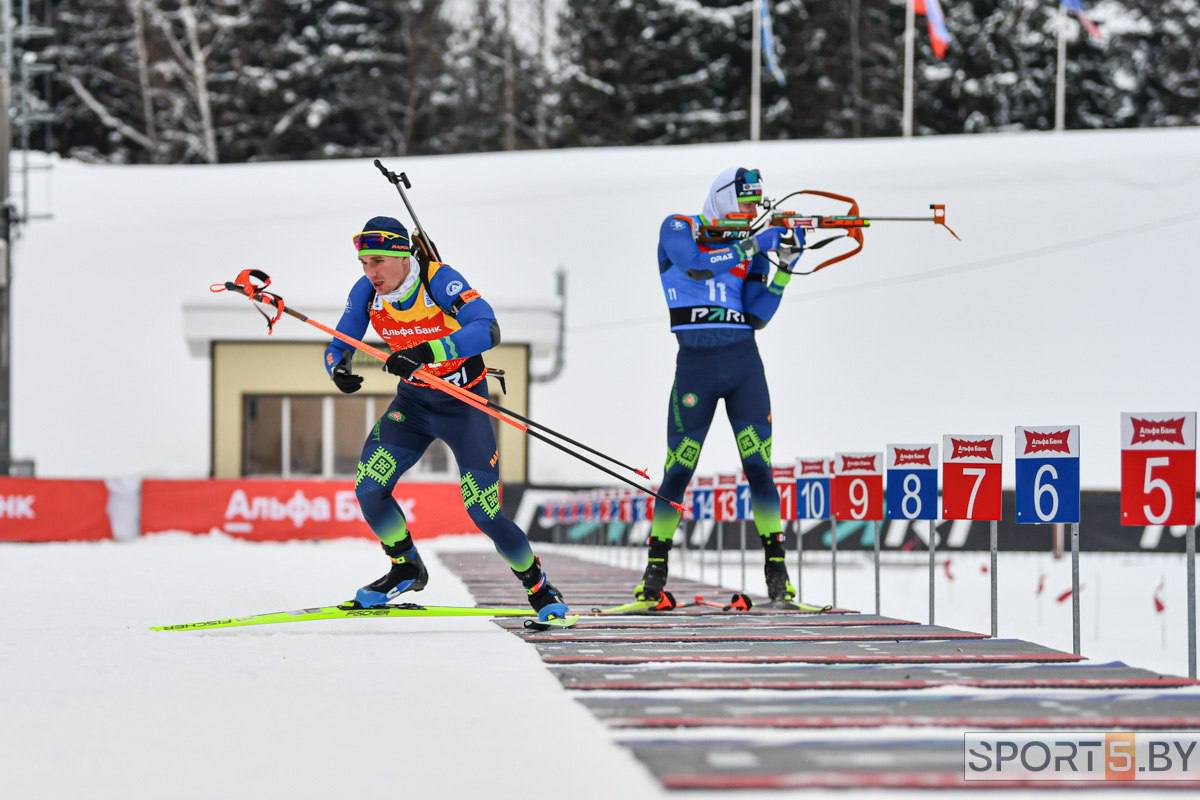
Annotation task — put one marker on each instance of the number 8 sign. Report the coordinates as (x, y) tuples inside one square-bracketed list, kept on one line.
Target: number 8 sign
[(1158, 469), (971, 477), (856, 490)]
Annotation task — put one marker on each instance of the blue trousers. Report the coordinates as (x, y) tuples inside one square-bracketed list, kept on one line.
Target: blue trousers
[(703, 376), (412, 421)]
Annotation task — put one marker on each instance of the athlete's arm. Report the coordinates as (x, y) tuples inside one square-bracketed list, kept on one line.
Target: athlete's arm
[(479, 330), (675, 236), (353, 323)]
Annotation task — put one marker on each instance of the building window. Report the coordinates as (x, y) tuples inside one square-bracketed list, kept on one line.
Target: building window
[(321, 436)]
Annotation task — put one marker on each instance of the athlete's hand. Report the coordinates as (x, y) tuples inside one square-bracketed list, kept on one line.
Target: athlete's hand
[(792, 247), (343, 378), (769, 239), (405, 362)]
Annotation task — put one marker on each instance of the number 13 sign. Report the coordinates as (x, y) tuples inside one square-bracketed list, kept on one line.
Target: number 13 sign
[(1158, 469), (971, 477)]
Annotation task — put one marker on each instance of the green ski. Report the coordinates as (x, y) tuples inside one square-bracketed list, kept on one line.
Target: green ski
[(349, 612), (664, 602), (554, 622)]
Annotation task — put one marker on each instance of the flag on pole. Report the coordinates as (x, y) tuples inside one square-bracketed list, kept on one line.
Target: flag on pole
[(1084, 19), (768, 44), (939, 36)]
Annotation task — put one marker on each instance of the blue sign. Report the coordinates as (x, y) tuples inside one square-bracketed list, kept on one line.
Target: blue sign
[(812, 498), (702, 503), (1047, 487), (912, 482)]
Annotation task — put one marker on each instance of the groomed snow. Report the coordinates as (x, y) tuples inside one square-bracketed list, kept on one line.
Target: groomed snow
[(96, 705)]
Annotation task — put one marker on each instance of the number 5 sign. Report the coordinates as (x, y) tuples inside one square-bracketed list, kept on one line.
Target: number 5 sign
[(971, 477), (1158, 469), (1048, 474), (857, 486)]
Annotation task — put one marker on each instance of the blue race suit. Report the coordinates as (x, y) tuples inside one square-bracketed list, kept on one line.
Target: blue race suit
[(459, 325)]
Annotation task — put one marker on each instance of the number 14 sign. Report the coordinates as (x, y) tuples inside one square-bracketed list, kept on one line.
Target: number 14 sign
[(971, 477)]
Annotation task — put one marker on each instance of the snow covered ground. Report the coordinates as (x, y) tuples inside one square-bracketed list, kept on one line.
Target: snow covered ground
[(96, 705)]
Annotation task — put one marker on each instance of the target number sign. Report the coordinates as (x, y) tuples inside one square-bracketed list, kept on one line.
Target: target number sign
[(725, 499), (971, 477), (1158, 468), (856, 488), (1047, 488), (912, 481), (812, 488)]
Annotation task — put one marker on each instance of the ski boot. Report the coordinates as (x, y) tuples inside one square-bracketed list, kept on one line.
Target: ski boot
[(654, 579), (546, 600), (779, 587), (408, 574)]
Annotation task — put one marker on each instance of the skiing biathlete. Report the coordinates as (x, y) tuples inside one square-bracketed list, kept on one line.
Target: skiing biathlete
[(718, 296), (430, 317)]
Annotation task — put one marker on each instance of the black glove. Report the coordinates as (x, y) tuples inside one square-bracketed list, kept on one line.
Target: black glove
[(346, 381), (405, 362), (791, 248)]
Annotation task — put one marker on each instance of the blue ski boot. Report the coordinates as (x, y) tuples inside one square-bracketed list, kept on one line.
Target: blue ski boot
[(545, 599), (407, 574)]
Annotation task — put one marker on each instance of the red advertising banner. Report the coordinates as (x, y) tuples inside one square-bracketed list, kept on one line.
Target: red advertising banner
[(48, 510), (265, 510)]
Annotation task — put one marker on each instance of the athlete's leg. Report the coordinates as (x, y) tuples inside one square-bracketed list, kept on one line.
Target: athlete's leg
[(468, 432), (693, 401), (749, 410), (397, 441)]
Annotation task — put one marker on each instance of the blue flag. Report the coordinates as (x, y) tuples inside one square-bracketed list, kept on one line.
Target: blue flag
[(768, 45)]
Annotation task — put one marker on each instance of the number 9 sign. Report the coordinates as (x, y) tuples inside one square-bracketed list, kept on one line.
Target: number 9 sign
[(1158, 469), (856, 489)]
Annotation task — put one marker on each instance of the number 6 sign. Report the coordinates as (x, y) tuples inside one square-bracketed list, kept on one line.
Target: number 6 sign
[(856, 490), (971, 477), (1047, 487), (1158, 469)]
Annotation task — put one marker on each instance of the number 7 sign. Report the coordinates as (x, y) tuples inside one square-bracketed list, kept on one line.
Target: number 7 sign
[(971, 477), (1158, 469)]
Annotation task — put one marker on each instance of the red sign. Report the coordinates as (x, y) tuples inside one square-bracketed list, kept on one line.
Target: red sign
[(785, 484), (1047, 442), (971, 477), (856, 488), (293, 509), (725, 498), (45, 510), (1158, 469)]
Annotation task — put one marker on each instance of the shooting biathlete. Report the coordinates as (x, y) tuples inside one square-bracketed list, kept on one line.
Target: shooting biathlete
[(430, 317), (718, 295)]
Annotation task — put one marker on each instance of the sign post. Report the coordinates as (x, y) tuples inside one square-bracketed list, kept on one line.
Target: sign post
[(1158, 486), (725, 509), (812, 503), (855, 493), (1047, 491), (971, 490), (912, 494)]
